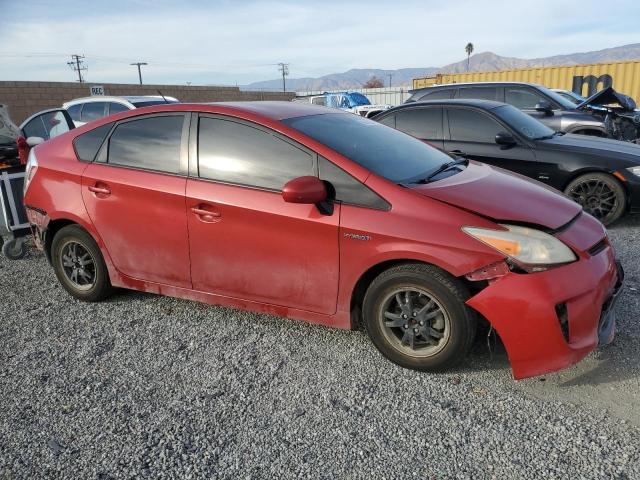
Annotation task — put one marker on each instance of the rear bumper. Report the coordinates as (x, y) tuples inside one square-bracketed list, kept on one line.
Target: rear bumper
[(550, 320)]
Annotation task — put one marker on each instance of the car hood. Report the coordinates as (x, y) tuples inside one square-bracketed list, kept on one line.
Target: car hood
[(593, 145), (502, 196), (608, 96)]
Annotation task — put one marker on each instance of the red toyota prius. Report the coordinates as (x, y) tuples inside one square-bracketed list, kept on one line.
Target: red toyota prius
[(325, 216)]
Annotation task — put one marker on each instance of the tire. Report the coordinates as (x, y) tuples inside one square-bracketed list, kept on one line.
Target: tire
[(448, 316), (600, 195), (73, 248), (14, 249)]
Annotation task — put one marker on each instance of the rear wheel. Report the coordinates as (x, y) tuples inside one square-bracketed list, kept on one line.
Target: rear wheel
[(79, 265), (600, 195), (416, 316)]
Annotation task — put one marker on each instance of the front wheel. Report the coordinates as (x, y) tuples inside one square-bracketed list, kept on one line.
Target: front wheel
[(79, 265), (416, 316), (600, 195)]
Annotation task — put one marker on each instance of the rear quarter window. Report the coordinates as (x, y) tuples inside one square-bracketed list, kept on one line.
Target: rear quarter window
[(88, 144)]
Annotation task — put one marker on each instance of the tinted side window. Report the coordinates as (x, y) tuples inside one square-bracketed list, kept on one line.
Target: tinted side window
[(389, 121), (152, 143), (522, 98), (47, 125), (238, 153), (423, 123), (347, 189), (92, 111), (88, 144), (74, 111), (481, 93), (117, 108), (472, 126), (319, 101), (437, 95)]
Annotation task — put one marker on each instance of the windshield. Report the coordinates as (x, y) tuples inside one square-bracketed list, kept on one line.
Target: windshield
[(572, 97), (522, 123), (358, 99), (556, 97), (387, 152), (148, 103)]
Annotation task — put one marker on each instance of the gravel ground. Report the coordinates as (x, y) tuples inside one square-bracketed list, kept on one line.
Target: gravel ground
[(148, 386)]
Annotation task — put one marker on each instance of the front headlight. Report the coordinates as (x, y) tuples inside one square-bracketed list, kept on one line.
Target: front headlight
[(532, 249), (634, 170)]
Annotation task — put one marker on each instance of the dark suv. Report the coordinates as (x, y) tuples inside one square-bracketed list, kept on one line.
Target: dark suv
[(547, 106)]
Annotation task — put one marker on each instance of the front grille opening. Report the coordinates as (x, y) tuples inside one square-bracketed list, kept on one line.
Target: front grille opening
[(563, 319), (598, 247)]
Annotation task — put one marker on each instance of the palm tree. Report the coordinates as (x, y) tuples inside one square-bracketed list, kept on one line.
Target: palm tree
[(469, 50)]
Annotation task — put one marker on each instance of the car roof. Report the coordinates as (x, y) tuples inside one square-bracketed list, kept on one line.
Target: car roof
[(271, 110), (464, 102), (128, 98), (467, 84)]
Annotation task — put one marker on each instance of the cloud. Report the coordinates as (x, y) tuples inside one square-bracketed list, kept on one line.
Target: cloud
[(224, 41)]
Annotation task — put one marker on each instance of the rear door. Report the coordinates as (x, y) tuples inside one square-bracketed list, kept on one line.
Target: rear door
[(134, 194), (423, 123), (471, 133), (246, 241)]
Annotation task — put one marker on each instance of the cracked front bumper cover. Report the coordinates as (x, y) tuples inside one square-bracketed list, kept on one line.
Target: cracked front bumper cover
[(522, 309)]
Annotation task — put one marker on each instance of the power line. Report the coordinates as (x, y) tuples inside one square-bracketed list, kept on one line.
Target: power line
[(284, 68), (139, 64), (76, 64)]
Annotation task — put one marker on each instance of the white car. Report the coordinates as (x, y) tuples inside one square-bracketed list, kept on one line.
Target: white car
[(83, 110), (354, 102)]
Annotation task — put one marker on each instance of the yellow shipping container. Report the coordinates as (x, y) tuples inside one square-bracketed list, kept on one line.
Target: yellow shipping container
[(582, 79)]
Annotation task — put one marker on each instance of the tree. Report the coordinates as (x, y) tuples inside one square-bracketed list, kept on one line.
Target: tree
[(469, 50), (374, 82)]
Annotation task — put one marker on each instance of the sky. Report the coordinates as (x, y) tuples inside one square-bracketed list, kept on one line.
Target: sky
[(224, 42)]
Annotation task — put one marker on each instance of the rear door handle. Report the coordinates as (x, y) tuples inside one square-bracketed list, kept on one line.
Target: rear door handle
[(100, 190), (206, 215)]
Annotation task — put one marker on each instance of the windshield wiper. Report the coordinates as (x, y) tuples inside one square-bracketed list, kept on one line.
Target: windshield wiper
[(443, 168)]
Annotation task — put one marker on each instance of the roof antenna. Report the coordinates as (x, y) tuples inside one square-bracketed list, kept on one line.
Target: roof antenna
[(165, 100)]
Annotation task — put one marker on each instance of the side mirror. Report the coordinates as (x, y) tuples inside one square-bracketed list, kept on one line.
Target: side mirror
[(33, 141), (505, 140), (545, 107), (309, 190)]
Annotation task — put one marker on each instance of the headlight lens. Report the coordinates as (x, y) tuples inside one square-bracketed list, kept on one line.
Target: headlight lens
[(526, 246), (634, 170)]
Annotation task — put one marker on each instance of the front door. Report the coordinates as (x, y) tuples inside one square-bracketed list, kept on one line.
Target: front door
[(472, 134), (246, 242), (134, 194)]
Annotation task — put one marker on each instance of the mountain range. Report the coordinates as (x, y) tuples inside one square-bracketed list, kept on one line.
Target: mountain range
[(485, 61)]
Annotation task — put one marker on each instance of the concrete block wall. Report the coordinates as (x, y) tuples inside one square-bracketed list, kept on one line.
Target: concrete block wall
[(26, 98)]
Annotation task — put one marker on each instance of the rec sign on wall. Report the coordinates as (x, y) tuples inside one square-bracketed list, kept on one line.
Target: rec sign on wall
[(96, 90)]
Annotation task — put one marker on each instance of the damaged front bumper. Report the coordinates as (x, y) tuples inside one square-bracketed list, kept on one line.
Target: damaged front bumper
[(552, 319)]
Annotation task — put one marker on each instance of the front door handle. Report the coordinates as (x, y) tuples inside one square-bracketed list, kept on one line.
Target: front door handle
[(459, 153), (206, 215), (100, 189)]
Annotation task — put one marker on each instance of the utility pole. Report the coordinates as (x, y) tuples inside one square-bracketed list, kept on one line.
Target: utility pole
[(284, 68), (138, 64), (76, 64), (390, 75)]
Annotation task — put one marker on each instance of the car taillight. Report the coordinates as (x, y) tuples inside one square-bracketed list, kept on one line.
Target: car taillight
[(30, 170)]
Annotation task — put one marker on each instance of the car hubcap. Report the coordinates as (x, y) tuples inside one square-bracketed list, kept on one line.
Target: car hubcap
[(596, 197), (414, 322), (78, 265)]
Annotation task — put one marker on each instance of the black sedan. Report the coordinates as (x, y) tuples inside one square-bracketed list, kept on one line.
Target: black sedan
[(602, 175)]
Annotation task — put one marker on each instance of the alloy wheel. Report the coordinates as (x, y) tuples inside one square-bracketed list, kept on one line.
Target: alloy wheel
[(414, 322), (596, 197), (78, 265)]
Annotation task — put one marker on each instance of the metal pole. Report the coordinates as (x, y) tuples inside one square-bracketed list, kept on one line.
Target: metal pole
[(138, 64)]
